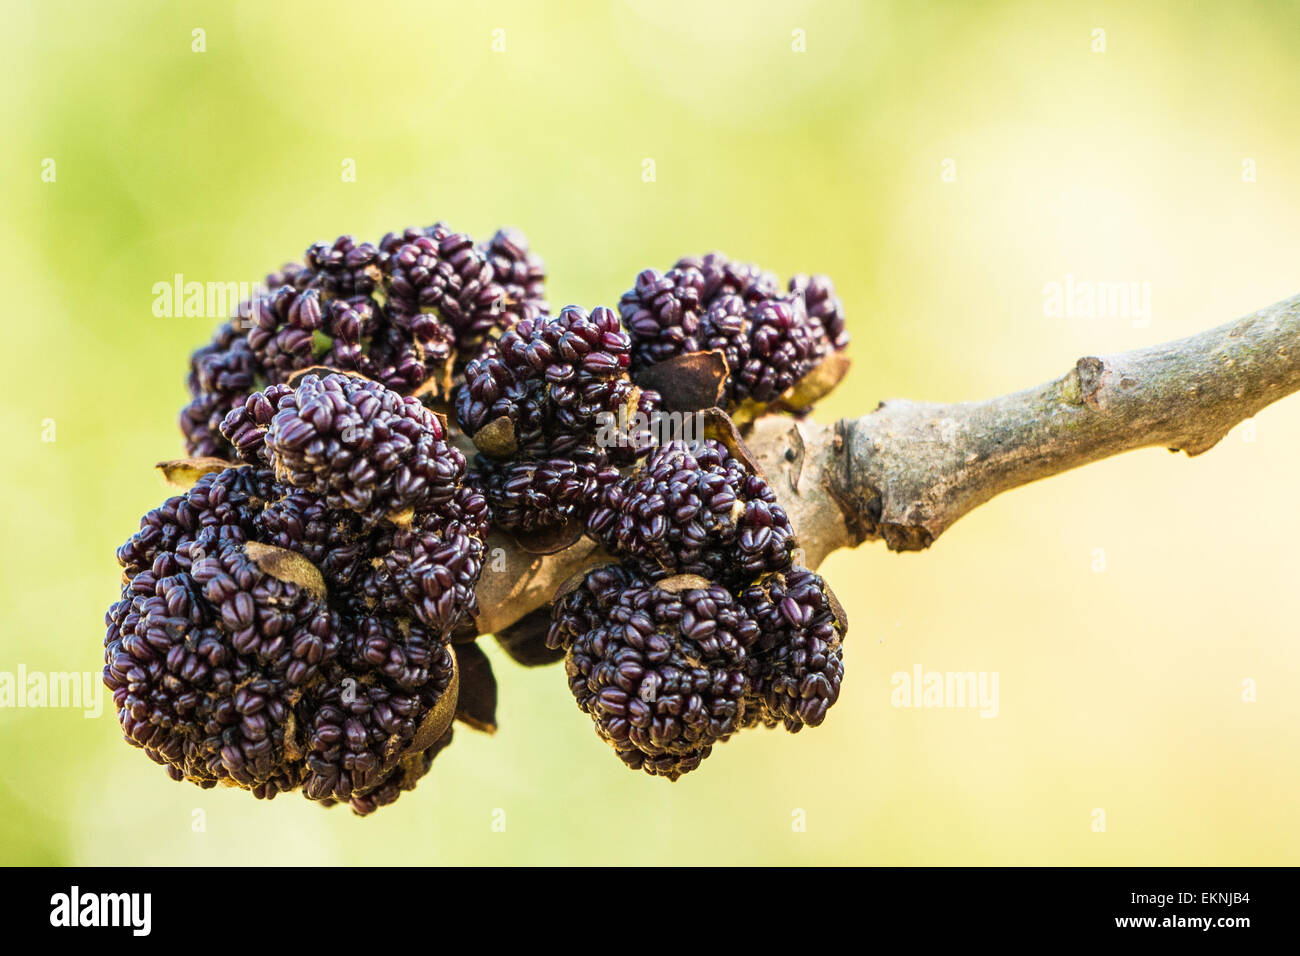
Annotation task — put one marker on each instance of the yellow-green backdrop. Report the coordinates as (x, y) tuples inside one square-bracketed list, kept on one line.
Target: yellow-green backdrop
[(945, 163)]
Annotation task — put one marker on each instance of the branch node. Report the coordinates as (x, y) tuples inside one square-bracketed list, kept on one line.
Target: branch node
[(1091, 372)]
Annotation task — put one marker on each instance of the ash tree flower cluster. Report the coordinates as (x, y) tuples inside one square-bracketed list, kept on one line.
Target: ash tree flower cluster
[(708, 624), (285, 624), (302, 617)]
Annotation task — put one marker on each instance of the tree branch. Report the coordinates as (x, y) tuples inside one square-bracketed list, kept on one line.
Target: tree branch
[(908, 470)]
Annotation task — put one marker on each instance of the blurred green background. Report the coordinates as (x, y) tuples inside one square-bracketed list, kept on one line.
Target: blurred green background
[(943, 162)]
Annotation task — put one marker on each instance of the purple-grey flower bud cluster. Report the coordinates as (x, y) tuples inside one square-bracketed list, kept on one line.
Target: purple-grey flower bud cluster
[(544, 393), (707, 625), (286, 624), (291, 621), (770, 338), (405, 313)]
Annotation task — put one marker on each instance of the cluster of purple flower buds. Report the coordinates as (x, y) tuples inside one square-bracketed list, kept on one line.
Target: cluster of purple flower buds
[(302, 616)]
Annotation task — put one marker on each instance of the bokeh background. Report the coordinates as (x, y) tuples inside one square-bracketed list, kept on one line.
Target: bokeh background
[(943, 162)]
